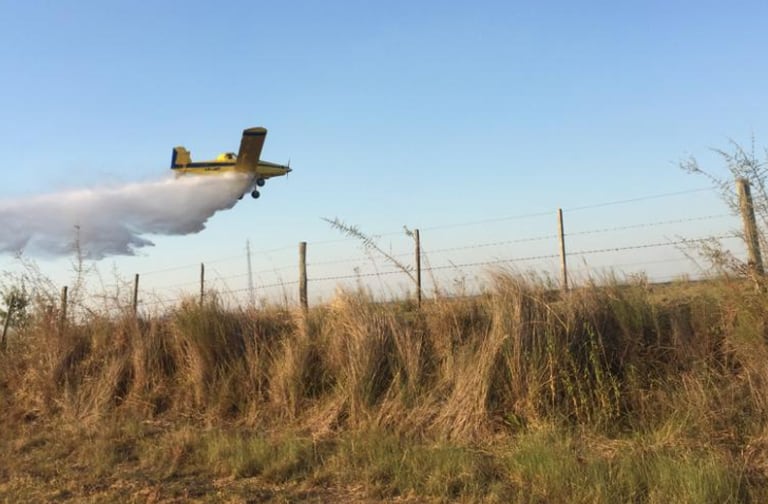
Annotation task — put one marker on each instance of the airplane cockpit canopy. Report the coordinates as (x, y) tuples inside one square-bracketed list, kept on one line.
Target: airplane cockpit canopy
[(226, 156)]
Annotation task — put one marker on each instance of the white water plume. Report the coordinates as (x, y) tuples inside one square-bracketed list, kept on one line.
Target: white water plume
[(113, 220)]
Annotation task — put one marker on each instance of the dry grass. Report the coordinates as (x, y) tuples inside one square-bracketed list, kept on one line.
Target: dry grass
[(608, 394)]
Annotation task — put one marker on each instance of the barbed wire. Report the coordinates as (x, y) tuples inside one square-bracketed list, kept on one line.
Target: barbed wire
[(635, 263), (255, 273), (648, 224), (682, 241), (571, 209), (216, 261), (497, 261), (358, 275), (228, 291), (266, 286), (523, 240), (641, 198), (433, 228), (669, 243), (516, 241)]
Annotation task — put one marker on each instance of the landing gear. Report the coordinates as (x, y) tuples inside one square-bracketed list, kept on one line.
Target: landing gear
[(241, 196), (255, 194), (260, 182)]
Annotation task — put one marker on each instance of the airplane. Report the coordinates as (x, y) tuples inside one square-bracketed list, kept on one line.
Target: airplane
[(247, 161)]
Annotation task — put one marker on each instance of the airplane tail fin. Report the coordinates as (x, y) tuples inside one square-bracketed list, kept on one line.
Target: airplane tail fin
[(180, 158)]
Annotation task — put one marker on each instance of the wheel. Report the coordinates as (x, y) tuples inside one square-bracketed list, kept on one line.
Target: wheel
[(255, 194), (241, 196), (260, 182)]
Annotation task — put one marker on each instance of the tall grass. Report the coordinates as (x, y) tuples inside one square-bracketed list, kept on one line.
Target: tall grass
[(641, 392)]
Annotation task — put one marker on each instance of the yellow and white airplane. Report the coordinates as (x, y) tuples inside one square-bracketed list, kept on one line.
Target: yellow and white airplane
[(247, 162)]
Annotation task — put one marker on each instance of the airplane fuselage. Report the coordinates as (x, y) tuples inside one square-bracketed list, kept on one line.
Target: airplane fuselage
[(264, 170)]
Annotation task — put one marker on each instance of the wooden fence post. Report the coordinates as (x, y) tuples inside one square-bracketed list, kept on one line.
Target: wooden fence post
[(563, 263), (202, 283), (7, 323), (251, 292), (417, 238), (135, 293), (303, 276), (751, 235), (63, 309)]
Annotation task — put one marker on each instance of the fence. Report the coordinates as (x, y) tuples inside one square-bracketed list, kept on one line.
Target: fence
[(405, 263)]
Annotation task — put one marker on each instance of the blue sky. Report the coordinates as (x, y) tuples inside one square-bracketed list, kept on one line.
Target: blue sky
[(423, 114)]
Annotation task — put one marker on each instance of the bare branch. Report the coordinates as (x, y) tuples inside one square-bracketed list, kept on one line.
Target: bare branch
[(369, 243)]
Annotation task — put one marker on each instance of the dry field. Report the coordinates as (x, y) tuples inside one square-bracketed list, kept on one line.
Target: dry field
[(607, 394)]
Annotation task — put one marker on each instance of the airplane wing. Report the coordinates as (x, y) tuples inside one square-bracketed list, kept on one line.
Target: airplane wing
[(250, 149)]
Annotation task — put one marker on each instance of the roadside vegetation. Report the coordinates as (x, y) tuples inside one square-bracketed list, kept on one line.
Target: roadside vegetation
[(610, 393)]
